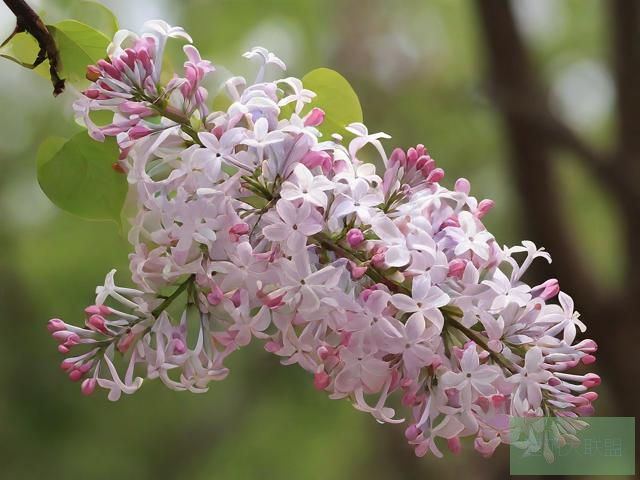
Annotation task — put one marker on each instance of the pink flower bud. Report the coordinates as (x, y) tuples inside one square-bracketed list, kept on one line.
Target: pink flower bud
[(585, 410), (272, 347), (408, 399), (97, 323), (412, 432), (590, 396), (218, 131), (88, 386), (179, 347), (323, 352), (93, 73), (454, 445), (377, 260), (237, 230), (126, 341), (139, 131), (498, 400), (436, 175), (484, 207), (588, 359), (56, 325), (412, 157), (546, 290), (321, 380), (97, 310), (587, 346), (358, 272), (240, 229), (463, 186), (397, 156), (484, 403), (136, 108), (355, 237), (457, 267), (591, 380), (66, 364), (315, 117), (91, 93), (315, 159), (272, 302), (450, 222), (216, 295), (75, 375), (85, 367), (66, 337)]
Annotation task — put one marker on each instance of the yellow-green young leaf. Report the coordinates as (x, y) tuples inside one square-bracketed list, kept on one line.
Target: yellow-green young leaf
[(77, 176), (23, 49), (336, 97), (80, 45)]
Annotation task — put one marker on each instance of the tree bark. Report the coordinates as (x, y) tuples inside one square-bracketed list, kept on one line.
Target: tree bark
[(609, 315), (27, 20)]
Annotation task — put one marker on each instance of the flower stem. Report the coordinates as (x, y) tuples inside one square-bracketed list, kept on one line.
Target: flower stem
[(482, 341), (169, 300), (373, 273)]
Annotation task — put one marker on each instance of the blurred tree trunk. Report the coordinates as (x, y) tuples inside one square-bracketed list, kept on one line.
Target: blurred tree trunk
[(533, 134)]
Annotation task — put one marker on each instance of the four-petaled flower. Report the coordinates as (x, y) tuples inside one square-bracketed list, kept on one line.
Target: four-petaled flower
[(294, 225), (424, 302), (472, 376)]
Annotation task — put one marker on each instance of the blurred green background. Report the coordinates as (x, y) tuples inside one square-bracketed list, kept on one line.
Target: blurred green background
[(419, 69)]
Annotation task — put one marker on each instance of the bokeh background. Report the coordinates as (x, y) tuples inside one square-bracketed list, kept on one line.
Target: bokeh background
[(536, 102)]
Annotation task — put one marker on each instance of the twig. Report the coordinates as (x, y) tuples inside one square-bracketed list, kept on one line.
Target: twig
[(27, 20)]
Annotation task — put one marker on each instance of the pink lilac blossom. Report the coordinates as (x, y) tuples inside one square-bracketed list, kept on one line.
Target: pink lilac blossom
[(382, 287)]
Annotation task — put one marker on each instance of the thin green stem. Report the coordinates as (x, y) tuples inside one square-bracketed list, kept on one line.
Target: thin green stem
[(169, 300), (482, 341), (373, 273), (174, 115)]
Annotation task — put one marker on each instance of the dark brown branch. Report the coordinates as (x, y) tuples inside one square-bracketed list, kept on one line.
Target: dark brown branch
[(27, 20), (540, 119), (625, 31), (513, 82), (609, 316)]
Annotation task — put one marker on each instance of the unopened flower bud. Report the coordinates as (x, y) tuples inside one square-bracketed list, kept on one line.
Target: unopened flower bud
[(315, 117), (355, 237)]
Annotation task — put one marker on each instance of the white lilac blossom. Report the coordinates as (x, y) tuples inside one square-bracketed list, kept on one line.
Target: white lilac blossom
[(382, 287)]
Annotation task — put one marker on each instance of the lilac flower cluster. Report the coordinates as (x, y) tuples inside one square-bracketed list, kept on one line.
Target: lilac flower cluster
[(261, 228)]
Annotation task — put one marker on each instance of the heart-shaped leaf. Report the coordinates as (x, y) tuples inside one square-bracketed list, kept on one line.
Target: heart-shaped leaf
[(77, 176), (336, 97)]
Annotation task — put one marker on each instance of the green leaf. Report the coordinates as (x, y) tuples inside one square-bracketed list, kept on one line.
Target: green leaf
[(336, 97), (80, 45), (95, 15), (48, 149), (23, 49), (221, 102), (77, 176)]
